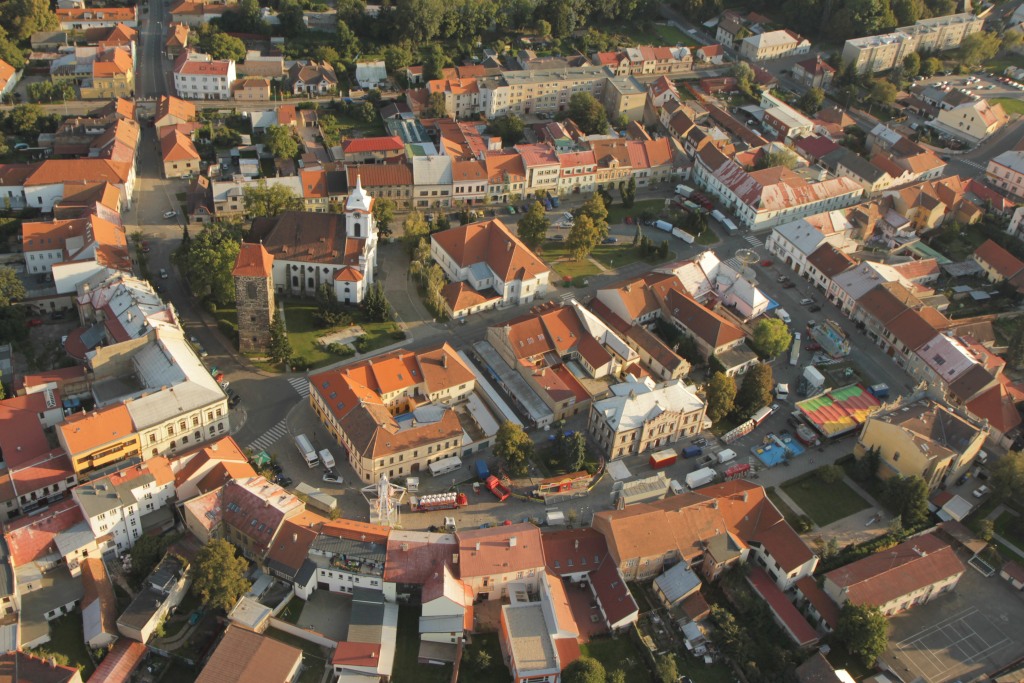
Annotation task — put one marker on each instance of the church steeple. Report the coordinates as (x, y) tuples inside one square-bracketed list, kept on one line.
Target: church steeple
[(358, 200)]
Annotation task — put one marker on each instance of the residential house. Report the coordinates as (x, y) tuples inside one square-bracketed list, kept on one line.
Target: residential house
[(371, 75), (243, 655), (17, 666), (506, 176), (825, 263), (81, 19), (625, 96), (432, 181), (178, 36), (198, 76), (195, 14), (372, 150), (162, 591), (179, 155), (539, 638), (814, 73), (393, 181), (259, 65), (309, 77), (349, 557), (894, 580), (209, 467), (773, 45), (253, 511), (447, 612), (1006, 172), (173, 111), (112, 75), (576, 172), (494, 560), (998, 264), (971, 121), (9, 77), (358, 405), (542, 167), (461, 96), (99, 438), (251, 89), (715, 54), (469, 181), (369, 650)]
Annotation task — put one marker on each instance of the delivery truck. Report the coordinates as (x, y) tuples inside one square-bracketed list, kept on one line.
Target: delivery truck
[(692, 451), (684, 190), (729, 225), (306, 449), (701, 477), (794, 350), (327, 459), (438, 501), (663, 225), (316, 498), (726, 455), (683, 235), (662, 458)]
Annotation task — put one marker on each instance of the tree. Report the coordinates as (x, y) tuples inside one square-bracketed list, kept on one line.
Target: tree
[(863, 629), (571, 450), (11, 288), (830, 474), (721, 396), (776, 157), (222, 46), (1007, 475), (280, 142), (986, 529), (883, 93), (543, 28), (667, 668), (810, 102), (476, 659), (756, 391), (866, 467), (584, 670), (328, 308), (534, 226), (744, 75), (21, 18), (771, 337), (597, 209), (583, 237), (508, 127), (617, 676), (629, 193), (437, 107), (383, 214), (414, 229), (289, 13), (10, 52), (207, 261), (514, 448), (263, 200), (146, 552), (218, 578), (911, 64), (376, 304), (930, 66), (588, 113), (51, 91), (979, 47), (435, 61), (907, 498), (280, 346)]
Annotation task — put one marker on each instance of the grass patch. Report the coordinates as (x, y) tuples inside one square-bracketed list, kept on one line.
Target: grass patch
[(497, 672), (303, 333), (1008, 526), (699, 671), (789, 513), (66, 638), (623, 253), (1000, 63), (313, 659), (618, 653), (558, 257), (825, 503), (708, 237), (407, 646), (292, 610), (1009, 106), (1006, 327), (617, 213), (874, 486)]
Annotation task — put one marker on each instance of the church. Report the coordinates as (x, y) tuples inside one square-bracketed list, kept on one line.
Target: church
[(297, 252)]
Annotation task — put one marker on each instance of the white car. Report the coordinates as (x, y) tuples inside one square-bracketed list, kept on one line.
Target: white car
[(170, 214), (980, 491), (164, 274), (333, 478)]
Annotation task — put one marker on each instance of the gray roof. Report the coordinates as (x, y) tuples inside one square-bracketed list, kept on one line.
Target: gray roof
[(677, 583), (9, 636), (142, 609), (166, 573), (78, 536), (55, 589), (99, 497), (432, 170), (861, 167), (367, 619), (441, 624), (6, 573)]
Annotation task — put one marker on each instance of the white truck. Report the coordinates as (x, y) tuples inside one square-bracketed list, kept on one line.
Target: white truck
[(663, 225), (701, 477), (327, 459), (781, 391), (444, 466), (726, 455), (683, 235), (307, 450), (794, 351), (729, 225), (684, 190)]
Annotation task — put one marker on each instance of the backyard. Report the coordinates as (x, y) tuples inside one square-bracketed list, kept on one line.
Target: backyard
[(824, 503), (659, 34), (66, 638), (303, 332), (313, 660), (618, 653), (407, 646)]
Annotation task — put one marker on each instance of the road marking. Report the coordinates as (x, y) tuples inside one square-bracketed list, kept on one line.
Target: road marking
[(300, 385), (972, 164), (753, 241), (270, 437), (735, 264)]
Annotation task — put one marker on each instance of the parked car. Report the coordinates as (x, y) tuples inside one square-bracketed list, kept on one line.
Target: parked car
[(782, 278), (234, 400), (767, 263), (283, 481), (806, 301), (35, 322), (333, 478), (980, 491), (164, 274), (557, 238), (609, 240), (815, 308), (170, 214), (788, 285), (145, 247)]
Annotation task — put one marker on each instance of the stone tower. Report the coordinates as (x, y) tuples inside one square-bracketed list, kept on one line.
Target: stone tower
[(254, 297)]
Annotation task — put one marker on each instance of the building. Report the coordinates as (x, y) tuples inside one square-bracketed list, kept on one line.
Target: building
[(99, 438), (642, 416), (492, 262), (387, 413), (81, 19), (173, 111), (75, 249), (369, 650), (371, 75), (253, 511), (539, 90), (252, 89), (971, 121), (99, 605), (936, 34), (539, 638), (773, 45), (112, 75), (998, 264), (928, 440), (447, 612), (179, 155), (493, 560), (1006, 172), (162, 591), (625, 96), (244, 656), (309, 250), (21, 667), (372, 150), (814, 73), (895, 580), (254, 297), (309, 77), (200, 77)]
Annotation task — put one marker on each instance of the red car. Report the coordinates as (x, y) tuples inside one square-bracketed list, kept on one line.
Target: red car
[(35, 322), (767, 262)]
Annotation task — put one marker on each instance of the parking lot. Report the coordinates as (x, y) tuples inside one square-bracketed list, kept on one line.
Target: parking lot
[(960, 635)]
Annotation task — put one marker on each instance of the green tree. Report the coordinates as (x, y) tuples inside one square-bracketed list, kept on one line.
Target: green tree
[(866, 467), (543, 28), (476, 659), (534, 226), (1007, 475), (414, 229), (435, 61), (629, 193), (667, 668), (721, 396), (222, 46), (508, 127), (776, 157), (617, 676), (437, 107), (810, 102), (571, 450), (1015, 350), (597, 209), (863, 630), (830, 474), (744, 75), (588, 113), (979, 47), (383, 214), (376, 304), (930, 66), (21, 18), (281, 142), (397, 57), (289, 13), (912, 65), (280, 346), (883, 93), (907, 497), (584, 670), (328, 308), (11, 288), (986, 529), (514, 448), (208, 260), (756, 391), (771, 337), (218, 579), (263, 200), (10, 52), (583, 237), (145, 554)]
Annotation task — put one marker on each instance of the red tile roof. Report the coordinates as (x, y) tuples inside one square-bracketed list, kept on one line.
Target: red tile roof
[(389, 143), (243, 656), (613, 593), (460, 296), (490, 242), (997, 406), (32, 537), (45, 471), (117, 667), (497, 554), (96, 586), (795, 624), (21, 433), (23, 667), (819, 599), (253, 261), (356, 654), (999, 259), (415, 556), (574, 550)]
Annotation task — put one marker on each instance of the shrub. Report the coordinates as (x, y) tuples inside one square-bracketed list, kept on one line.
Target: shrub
[(229, 329), (830, 474)]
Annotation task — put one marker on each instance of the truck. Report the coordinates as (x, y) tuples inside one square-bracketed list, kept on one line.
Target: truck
[(495, 486), (683, 235), (327, 459), (701, 477), (811, 381), (307, 450), (663, 225), (761, 415), (729, 225), (438, 501), (718, 216), (554, 517), (663, 458), (481, 469), (794, 351), (684, 190), (726, 455), (692, 451), (879, 390), (781, 391), (445, 465), (316, 498)]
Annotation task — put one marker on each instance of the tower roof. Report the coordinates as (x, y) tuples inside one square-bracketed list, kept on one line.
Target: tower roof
[(253, 261), (359, 200)]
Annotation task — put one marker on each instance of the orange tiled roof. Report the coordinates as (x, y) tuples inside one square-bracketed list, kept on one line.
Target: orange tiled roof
[(85, 431), (490, 242)]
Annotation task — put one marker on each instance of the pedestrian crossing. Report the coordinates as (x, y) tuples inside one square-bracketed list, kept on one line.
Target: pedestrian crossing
[(270, 437), (300, 385), (972, 164), (753, 241), (735, 264)]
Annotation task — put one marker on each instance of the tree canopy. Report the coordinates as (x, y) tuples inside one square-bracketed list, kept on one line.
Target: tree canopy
[(281, 142), (979, 47), (756, 391), (208, 260), (508, 127), (584, 235), (514, 448), (376, 304), (21, 18), (218, 578), (771, 337), (263, 200), (810, 102), (11, 288), (533, 227), (220, 45), (588, 113), (383, 214), (414, 229), (775, 157), (584, 670), (280, 350), (721, 396), (1007, 475), (863, 630), (907, 497)]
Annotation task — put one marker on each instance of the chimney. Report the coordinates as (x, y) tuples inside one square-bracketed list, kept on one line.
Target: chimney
[(576, 544), (745, 494), (478, 546), (295, 538), (511, 541), (444, 360), (714, 504), (508, 246)]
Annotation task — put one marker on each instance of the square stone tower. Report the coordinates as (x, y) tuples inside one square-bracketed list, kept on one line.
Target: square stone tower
[(254, 297)]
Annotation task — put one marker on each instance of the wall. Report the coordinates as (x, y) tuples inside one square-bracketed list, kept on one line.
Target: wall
[(310, 636)]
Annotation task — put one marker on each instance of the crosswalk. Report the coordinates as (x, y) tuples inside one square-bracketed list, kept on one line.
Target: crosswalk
[(300, 385), (972, 164), (734, 263), (753, 241), (270, 437)]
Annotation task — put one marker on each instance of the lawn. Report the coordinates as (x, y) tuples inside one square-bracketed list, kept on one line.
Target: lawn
[(407, 646), (660, 34), (1009, 106), (303, 333), (66, 638), (292, 610), (699, 671), (558, 257), (787, 512), (708, 238), (313, 660), (825, 503), (497, 672), (1008, 526), (999, 64), (618, 653), (623, 253), (617, 213)]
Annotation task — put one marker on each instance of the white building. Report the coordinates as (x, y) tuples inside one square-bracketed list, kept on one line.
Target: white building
[(773, 45), (200, 77)]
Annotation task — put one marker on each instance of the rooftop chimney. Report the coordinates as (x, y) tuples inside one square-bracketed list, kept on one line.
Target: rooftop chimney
[(508, 246), (444, 360), (478, 546), (576, 544), (295, 538), (511, 541)]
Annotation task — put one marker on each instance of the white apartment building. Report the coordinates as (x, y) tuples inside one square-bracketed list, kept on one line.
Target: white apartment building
[(200, 77), (1006, 171), (539, 91), (880, 53)]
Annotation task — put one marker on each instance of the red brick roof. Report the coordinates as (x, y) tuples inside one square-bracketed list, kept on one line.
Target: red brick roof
[(23, 667), (96, 586), (253, 261), (415, 556), (389, 143), (356, 654), (795, 624), (31, 537), (819, 599), (243, 656), (999, 259), (497, 555), (117, 667)]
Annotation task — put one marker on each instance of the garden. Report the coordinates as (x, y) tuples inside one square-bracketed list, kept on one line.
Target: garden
[(824, 501), (304, 331)]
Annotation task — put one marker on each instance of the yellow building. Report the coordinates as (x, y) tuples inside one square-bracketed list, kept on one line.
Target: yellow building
[(922, 439), (99, 438), (113, 76)]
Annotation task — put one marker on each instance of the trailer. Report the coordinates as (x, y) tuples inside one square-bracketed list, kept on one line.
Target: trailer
[(879, 390), (495, 486), (761, 415), (327, 459), (445, 465), (481, 469), (554, 518), (438, 501), (316, 498), (812, 382), (794, 351), (726, 455), (729, 225), (663, 225), (662, 459), (306, 450), (701, 477), (737, 471)]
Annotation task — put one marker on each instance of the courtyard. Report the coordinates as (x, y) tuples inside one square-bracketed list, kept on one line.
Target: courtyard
[(824, 503)]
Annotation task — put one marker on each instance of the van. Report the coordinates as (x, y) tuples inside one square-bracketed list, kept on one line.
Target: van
[(783, 316), (982, 457), (676, 487), (327, 459)]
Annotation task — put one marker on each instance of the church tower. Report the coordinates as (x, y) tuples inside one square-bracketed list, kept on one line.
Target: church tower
[(360, 224), (254, 297)]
